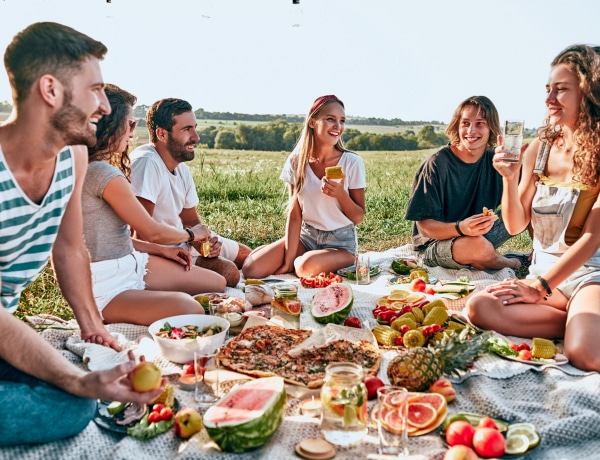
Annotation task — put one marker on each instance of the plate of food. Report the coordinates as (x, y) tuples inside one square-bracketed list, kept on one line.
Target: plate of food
[(404, 266), (231, 302), (350, 272), (536, 352), (405, 279), (118, 417)]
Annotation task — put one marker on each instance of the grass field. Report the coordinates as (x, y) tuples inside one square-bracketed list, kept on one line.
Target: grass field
[(241, 197)]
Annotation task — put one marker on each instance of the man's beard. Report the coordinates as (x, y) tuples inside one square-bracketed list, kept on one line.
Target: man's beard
[(178, 150), (73, 124)]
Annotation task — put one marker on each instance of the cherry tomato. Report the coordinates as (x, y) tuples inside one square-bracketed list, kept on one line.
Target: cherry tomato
[(158, 407), (525, 355), (460, 433), (166, 413), (524, 346), (487, 422), (154, 417), (489, 442), (514, 346)]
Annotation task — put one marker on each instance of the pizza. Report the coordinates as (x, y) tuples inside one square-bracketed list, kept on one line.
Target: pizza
[(262, 351), (490, 212)]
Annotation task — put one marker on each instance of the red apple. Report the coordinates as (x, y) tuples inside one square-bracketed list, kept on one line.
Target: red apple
[(187, 423), (460, 453), (372, 383), (443, 387), (353, 321)]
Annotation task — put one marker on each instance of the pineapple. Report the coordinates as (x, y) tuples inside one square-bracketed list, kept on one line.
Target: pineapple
[(417, 368)]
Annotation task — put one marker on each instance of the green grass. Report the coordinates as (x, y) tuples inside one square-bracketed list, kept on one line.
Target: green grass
[(242, 198)]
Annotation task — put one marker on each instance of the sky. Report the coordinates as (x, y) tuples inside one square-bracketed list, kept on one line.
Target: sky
[(414, 60)]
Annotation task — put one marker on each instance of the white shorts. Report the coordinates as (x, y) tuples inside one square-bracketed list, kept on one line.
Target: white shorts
[(111, 277)]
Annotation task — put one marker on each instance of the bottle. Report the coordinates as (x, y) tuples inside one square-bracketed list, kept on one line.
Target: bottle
[(344, 401), (285, 304), (296, 13)]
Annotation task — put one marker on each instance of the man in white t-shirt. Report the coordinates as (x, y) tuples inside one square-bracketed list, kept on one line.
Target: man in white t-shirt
[(164, 185)]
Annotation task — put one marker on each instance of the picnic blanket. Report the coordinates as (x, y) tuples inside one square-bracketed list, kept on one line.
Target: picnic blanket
[(561, 401)]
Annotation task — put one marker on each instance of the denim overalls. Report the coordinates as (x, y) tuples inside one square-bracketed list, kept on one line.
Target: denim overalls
[(552, 209)]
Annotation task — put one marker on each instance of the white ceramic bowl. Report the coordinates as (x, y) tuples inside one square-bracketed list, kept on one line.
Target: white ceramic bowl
[(182, 351)]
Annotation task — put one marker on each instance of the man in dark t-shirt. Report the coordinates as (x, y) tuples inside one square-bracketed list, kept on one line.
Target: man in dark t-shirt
[(450, 190)]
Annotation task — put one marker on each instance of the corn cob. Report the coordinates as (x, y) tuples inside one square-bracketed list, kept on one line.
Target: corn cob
[(437, 315), (410, 315), (385, 335), (416, 273), (418, 314), (427, 308), (437, 337), (413, 339), (542, 348), (454, 326), (438, 303), (167, 397), (399, 322)]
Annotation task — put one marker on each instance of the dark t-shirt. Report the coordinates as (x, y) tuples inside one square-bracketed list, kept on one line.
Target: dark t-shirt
[(447, 189)]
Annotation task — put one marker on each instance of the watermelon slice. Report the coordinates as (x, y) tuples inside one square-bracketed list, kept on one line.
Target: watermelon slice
[(332, 304), (248, 416)]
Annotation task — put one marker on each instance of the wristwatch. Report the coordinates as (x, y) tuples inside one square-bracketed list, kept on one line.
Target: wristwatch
[(191, 233)]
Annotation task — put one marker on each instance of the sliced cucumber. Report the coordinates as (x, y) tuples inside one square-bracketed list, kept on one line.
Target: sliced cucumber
[(115, 407)]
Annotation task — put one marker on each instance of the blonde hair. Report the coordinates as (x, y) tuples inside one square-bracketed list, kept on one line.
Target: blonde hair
[(584, 62), (306, 143)]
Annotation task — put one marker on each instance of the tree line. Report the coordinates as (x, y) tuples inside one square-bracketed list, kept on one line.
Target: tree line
[(282, 136)]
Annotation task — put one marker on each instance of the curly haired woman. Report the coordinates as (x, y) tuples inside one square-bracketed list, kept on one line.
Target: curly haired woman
[(559, 194)]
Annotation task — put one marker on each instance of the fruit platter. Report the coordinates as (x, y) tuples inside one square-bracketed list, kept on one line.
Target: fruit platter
[(537, 351), (486, 436)]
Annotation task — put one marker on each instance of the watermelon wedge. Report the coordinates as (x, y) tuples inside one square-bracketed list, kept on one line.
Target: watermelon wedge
[(332, 304)]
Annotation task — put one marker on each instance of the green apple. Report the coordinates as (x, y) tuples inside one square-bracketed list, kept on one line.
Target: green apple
[(187, 422), (145, 377)]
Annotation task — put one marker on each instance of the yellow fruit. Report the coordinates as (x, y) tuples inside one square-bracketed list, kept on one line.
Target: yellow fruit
[(167, 397), (516, 444), (145, 377), (205, 248), (398, 294)]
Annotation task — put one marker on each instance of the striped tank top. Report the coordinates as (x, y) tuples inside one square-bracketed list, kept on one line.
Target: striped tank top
[(27, 229)]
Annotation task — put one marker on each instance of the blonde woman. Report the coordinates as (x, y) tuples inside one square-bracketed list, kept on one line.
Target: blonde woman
[(322, 213)]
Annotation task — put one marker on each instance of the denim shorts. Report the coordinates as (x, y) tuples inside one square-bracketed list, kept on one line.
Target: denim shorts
[(439, 253), (113, 276), (341, 238)]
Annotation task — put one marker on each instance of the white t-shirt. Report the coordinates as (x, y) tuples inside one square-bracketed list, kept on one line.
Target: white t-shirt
[(319, 210), (170, 192)]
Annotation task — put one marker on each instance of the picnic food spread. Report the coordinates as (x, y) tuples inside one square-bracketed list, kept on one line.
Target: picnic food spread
[(262, 351)]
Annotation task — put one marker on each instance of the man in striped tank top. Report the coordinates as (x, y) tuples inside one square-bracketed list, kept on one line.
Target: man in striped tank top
[(58, 96)]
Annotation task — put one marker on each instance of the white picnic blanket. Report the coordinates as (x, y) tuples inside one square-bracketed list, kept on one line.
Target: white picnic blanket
[(561, 401)]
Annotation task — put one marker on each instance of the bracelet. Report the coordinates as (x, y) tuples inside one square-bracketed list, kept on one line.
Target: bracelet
[(546, 286), (457, 227), (191, 233)]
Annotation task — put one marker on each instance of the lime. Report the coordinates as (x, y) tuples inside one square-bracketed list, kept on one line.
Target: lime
[(115, 407), (349, 415), (526, 429), (516, 444)]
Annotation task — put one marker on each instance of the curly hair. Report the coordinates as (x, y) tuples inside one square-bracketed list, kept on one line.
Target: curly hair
[(47, 48), (161, 113), (584, 62), (487, 110), (111, 128)]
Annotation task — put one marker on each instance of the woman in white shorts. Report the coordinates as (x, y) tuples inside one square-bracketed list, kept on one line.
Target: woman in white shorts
[(322, 213), (134, 281), (559, 194)]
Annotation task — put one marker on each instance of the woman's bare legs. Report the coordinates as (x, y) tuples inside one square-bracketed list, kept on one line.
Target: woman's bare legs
[(145, 307), (582, 338), (265, 260), (523, 320), (323, 260), (165, 275)]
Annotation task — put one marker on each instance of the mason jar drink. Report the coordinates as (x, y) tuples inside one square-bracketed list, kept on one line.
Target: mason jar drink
[(344, 400)]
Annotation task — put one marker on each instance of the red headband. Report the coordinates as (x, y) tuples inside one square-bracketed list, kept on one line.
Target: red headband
[(320, 102)]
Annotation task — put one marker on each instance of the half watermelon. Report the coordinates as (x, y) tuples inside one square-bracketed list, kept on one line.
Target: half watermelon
[(332, 304), (248, 416)]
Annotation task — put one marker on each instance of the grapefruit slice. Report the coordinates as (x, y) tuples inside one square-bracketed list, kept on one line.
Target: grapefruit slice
[(421, 415), (434, 399), (394, 422)]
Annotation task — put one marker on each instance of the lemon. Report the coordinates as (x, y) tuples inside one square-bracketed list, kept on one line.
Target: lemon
[(398, 294), (349, 415), (526, 429), (516, 444), (382, 301)]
